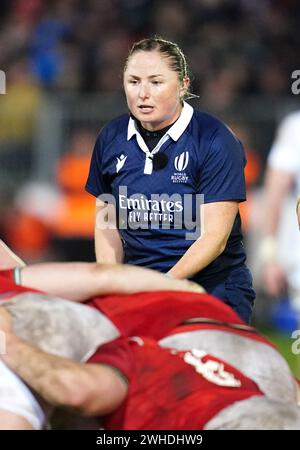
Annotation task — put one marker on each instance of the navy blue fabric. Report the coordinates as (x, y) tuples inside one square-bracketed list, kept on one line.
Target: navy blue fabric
[(214, 160), (236, 291)]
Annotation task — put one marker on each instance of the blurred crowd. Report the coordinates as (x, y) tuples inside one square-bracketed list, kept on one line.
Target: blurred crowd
[(234, 46)]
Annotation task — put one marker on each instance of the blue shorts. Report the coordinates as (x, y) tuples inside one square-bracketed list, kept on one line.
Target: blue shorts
[(237, 292)]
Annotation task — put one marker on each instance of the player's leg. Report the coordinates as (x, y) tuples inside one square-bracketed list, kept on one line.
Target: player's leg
[(19, 408)]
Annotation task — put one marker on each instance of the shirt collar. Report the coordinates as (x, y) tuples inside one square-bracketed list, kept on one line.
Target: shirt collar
[(175, 131)]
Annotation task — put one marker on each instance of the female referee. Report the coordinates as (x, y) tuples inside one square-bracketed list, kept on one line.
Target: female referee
[(168, 181)]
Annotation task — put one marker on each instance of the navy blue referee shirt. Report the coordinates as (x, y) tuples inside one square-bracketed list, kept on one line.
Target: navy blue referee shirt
[(158, 208)]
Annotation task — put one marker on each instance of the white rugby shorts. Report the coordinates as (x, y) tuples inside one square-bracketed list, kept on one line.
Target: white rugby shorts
[(17, 398)]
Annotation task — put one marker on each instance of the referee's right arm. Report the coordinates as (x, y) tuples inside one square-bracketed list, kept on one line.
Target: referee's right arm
[(108, 243)]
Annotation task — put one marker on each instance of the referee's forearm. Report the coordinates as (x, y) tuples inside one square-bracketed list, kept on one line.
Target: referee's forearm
[(205, 250), (108, 247)]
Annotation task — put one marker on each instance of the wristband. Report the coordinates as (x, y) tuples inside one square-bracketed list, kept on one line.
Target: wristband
[(268, 249), (18, 276), (169, 275)]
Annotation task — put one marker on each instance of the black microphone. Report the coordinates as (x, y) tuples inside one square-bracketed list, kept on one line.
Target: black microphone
[(160, 160)]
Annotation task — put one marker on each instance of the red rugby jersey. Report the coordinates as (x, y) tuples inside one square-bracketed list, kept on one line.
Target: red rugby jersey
[(171, 390), (8, 285), (157, 314)]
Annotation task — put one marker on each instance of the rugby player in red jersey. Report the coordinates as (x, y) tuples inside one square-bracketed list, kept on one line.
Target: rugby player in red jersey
[(184, 360)]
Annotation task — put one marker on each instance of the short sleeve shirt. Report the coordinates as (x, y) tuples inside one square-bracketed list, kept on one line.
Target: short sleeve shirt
[(158, 211)]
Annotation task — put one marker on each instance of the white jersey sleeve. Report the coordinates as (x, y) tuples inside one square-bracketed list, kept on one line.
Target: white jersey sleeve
[(285, 151)]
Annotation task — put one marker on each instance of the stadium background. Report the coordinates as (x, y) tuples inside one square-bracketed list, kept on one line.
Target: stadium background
[(63, 62)]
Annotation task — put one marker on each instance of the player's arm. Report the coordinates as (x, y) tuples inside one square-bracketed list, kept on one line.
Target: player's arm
[(278, 184), (108, 243), (8, 259), (216, 224), (81, 281), (90, 389), (298, 211)]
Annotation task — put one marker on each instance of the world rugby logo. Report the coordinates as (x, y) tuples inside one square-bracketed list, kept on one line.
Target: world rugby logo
[(181, 161)]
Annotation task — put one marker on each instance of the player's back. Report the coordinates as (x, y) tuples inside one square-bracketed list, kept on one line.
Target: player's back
[(55, 325)]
